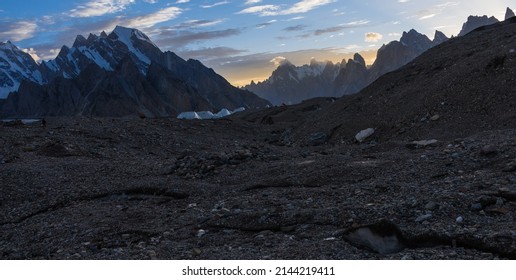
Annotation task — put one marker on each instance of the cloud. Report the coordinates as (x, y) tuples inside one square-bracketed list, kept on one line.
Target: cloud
[(151, 1), (96, 8), (306, 6), (215, 4), (179, 39), (150, 20), (265, 24), (274, 10), (373, 37), (298, 27), (32, 52), (182, 1), (278, 60), (341, 27), (432, 11), (206, 54), (252, 2), (17, 31), (263, 10), (427, 16), (195, 23)]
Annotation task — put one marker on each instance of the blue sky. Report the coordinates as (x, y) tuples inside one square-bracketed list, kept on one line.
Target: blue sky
[(240, 39)]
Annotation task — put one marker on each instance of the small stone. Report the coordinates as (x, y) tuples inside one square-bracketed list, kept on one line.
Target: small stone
[(476, 207), (422, 143), (126, 236), (423, 218), (488, 150), (152, 254), (435, 118), (196, 252), (456, 155), (201, 233), (511, 167), (318, 138), (364, 134), (459, 219), (431, 205)]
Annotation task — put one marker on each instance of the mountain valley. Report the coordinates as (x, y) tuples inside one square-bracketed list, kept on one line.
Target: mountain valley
[(434, 168)]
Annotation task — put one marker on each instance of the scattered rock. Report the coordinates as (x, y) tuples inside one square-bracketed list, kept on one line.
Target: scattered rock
[(423, 218), (488, 150), (56, 149), (196, 252), (431, 206), (422, 144), (435, 118), (459, 219), (152, 254), (476, 207), (364, 134), (511, 167), (383, 237), (317, 139)]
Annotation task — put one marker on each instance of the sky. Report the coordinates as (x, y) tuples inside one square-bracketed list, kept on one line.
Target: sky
[(241, 40)]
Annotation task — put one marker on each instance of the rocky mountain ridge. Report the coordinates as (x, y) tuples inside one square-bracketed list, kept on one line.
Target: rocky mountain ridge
[(289, 84), (353, 75), (124, 68), (15, 66)]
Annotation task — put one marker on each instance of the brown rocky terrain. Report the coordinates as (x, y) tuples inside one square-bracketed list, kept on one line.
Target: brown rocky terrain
[(436, 180)]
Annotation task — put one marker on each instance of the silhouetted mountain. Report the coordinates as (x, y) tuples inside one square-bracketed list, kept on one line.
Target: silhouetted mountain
[(123, 73), (289, 84), (463, 86), (475, 22), (509, 13)]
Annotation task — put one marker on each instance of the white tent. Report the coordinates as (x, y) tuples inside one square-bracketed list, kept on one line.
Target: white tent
[(189, 116), (206, 115), (223, 113)]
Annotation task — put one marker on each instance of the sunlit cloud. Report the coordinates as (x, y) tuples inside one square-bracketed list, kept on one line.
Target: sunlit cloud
[(274, 10), (373, 37), (427, 16), (306, 6), (154, 18), (263, 10), (215, 4), (17, 31), (252, 2), (278, 60), (100, 7), (32, 52)]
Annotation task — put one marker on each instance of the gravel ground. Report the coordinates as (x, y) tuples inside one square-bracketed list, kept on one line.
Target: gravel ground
[(100, 188)]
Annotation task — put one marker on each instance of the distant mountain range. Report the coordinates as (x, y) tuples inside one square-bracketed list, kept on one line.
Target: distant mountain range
[(120, 74), (290, 84)]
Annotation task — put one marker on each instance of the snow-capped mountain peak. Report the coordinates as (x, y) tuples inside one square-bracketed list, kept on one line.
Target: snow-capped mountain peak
[(15, 66)]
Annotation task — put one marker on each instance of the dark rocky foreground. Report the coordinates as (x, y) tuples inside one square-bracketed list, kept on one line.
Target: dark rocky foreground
[(101, 188)]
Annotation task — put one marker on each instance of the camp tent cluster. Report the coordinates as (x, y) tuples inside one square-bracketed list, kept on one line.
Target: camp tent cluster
[(207, 115)]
